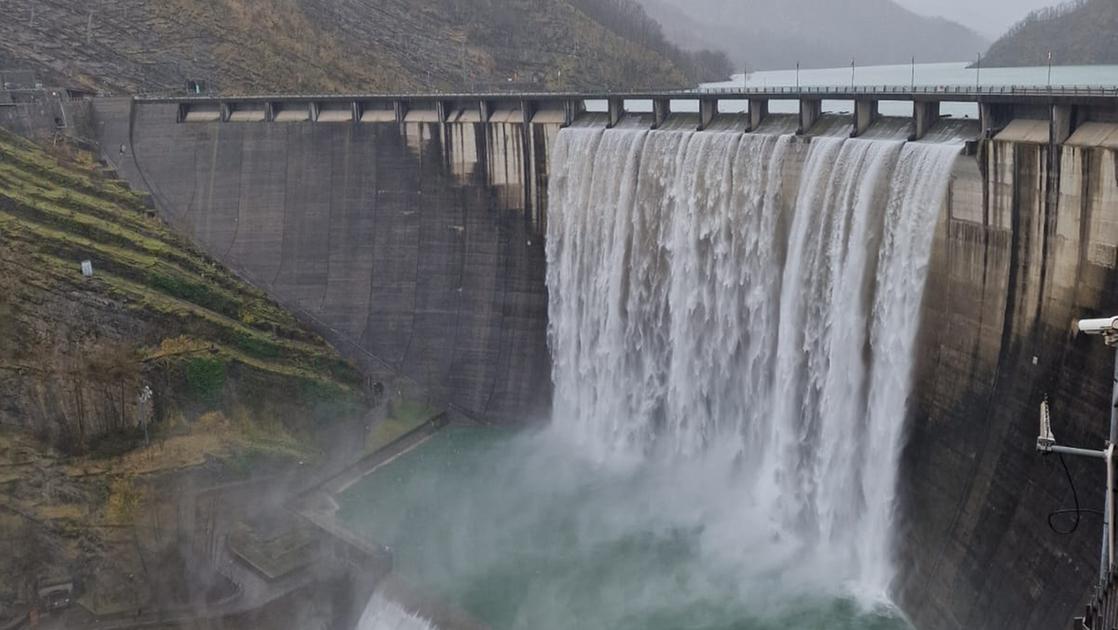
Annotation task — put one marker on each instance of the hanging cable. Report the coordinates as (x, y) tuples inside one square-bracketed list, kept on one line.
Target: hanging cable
[(1077, 510)]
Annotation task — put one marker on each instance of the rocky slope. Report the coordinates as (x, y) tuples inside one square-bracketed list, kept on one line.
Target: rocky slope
[(339, 45), (1083, 32), (115, 390)]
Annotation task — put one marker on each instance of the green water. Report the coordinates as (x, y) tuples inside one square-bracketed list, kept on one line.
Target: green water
[(524, 536)]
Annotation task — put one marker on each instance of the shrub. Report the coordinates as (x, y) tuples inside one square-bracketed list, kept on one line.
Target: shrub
[(205, 379)]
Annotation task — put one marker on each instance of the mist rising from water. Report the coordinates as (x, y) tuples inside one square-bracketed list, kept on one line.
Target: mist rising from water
[(384, 614), (761, 338), (732, 357)]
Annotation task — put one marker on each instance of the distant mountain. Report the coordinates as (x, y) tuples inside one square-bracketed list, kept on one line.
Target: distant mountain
[(1083, 32), (772, 34), (346, 45)]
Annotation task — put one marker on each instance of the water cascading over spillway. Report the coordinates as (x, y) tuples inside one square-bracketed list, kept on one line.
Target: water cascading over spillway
[(382, 613), (704, 308)]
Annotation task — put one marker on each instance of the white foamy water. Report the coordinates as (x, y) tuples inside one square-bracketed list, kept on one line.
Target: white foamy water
[(384, 614), (705, 311)]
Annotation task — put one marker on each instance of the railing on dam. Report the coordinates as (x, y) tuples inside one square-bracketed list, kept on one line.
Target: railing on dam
[(962, 93), (1063, 106), (1102, 610), (905, 92)]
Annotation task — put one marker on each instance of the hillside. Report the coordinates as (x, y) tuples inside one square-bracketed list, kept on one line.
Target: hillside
[(235, 384), (155, 311), (1077, 33), (776, 34), (343, 45)]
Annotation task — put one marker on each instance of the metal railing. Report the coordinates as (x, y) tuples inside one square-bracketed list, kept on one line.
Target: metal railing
[(1009, 90), (1102, 611), (791, 92)]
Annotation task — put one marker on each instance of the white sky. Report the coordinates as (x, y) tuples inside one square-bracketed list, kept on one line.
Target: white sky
[(989, 17)]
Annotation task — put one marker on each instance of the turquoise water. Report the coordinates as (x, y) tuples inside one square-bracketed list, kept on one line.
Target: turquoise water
[(524, 535)]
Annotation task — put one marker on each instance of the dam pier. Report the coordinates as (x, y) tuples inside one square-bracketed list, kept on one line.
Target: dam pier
[(413, 232)]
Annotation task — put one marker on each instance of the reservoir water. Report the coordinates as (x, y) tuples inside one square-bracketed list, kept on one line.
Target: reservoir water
[(522, 533), (918, 75), (732, 361)]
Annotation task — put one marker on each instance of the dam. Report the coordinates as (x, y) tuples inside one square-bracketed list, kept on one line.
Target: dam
[(418, 233)]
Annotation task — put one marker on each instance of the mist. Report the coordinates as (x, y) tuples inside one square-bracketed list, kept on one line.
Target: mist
[(771, 34), (990, 18), (706, 463)]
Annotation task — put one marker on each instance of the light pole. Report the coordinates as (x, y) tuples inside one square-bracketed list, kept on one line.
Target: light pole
[(978, 73), (797, 76), (1050, 69), (913, 73), (1046, 442), (852, 75)]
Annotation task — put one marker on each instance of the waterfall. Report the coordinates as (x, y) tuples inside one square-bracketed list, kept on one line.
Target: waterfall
[(382, 613), (706, 308)]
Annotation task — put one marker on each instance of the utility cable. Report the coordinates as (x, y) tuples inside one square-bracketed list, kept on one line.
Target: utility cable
[(1077, 510)]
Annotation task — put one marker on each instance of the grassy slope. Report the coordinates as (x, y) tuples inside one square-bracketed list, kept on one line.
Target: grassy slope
[(325, 45), (184, 309), (240, 386), (1085, 33)]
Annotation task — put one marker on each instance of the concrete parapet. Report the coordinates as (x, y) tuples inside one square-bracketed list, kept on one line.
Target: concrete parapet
[(994, 117), (291, 112), (616, 111), (661, 108), (810, 110), (758, 110), (374, 112), (527, 110), (574, 109), (924, 115), (708, 109), (1063, 123), (865, 112)]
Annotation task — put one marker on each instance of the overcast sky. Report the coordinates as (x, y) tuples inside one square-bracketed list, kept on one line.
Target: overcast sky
[(989, 17)]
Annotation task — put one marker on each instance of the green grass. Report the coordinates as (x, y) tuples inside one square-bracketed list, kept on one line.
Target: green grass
[(146, 259), (60, 212), (206, 378)]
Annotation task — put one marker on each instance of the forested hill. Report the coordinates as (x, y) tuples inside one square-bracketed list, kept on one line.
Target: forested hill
[(776, 34), (1083, 32), (346, 45)]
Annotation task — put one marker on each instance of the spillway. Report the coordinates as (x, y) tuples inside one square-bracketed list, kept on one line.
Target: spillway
[(733, 352), (702, 311)]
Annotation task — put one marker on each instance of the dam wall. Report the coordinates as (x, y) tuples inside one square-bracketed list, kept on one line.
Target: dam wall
[(414, 247), (413, 239), (1026, 245)]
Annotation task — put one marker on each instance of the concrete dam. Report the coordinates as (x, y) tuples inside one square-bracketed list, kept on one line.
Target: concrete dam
[(414, 233)]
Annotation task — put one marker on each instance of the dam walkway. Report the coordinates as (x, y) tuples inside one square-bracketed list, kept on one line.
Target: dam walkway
[(1061, 105)]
